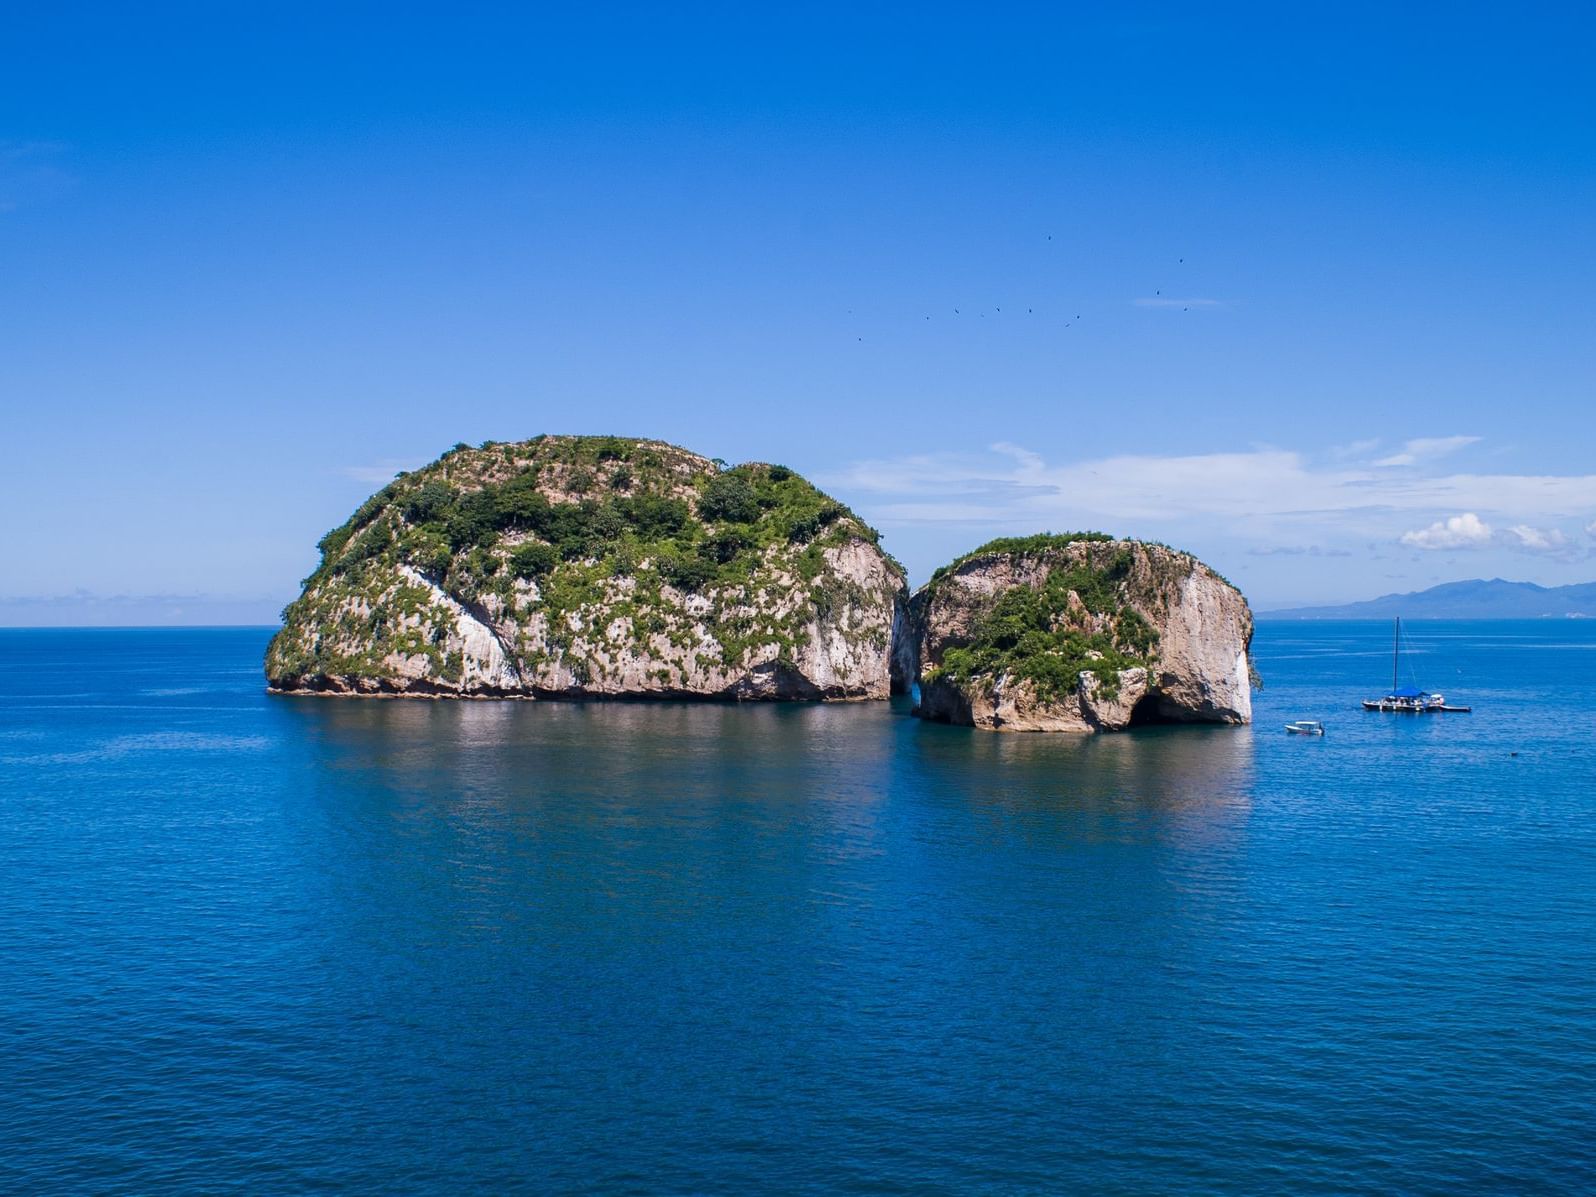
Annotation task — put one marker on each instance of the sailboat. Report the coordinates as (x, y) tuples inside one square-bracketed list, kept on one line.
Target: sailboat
[(1409, 699)]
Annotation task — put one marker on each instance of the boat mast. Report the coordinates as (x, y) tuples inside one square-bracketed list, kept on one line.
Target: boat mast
[(1396, 646)]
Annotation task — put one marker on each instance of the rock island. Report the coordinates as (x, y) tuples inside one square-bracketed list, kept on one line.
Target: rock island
[(573, 566), (1078, 632)]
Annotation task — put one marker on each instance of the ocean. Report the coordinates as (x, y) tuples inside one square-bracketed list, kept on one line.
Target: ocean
[(256, 944)]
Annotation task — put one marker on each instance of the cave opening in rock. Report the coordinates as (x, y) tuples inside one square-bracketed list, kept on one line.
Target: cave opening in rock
[(1148, 712)]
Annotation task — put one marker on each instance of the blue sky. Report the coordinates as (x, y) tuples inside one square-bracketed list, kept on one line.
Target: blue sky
[(1307, 293)]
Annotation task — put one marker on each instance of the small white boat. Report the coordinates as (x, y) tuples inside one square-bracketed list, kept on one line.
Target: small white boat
[(1305, 727)]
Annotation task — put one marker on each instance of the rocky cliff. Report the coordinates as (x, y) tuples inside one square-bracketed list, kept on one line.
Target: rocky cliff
[(1078, 633), (594, 566)]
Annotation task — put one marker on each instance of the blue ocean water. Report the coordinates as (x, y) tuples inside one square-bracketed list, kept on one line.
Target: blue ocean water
[(269, 945)]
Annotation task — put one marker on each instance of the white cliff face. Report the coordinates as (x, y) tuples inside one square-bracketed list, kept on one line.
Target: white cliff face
[(1195, 671), (840, 651), (485, 663), (1202, 654), (802, 618)]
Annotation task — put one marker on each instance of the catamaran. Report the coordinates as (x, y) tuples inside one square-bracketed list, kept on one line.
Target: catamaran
[(1409, 699)]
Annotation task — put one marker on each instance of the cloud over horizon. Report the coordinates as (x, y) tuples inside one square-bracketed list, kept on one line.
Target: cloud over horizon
[(86, 608), (1275, 497), (1427, 448), (1466, 531), (1538, 540)]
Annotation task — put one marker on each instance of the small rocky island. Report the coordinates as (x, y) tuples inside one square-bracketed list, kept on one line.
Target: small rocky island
[(593, 567), (571, 566), (1080, 633)]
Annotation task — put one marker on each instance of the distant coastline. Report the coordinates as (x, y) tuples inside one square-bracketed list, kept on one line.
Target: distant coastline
[(1474, 599)]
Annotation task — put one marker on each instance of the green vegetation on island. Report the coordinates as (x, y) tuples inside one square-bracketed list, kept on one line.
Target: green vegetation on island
[(1078, 617), (582, 546), (1021, 546)]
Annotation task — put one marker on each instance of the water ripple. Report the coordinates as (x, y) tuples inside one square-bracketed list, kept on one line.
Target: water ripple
[(266, 946)]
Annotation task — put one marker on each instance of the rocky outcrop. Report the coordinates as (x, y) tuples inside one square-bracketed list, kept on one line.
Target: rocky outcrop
[(1078, 633), (568, 567)]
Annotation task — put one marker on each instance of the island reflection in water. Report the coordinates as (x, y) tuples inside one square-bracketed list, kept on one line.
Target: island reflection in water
[(635, 759)]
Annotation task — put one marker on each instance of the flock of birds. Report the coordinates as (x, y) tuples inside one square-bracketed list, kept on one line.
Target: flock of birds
[(958, 312)]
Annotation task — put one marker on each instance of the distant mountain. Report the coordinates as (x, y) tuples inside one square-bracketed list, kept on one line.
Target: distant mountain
[(1476, 599)]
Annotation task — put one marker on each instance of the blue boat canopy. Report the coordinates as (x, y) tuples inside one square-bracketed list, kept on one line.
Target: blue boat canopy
[(1407, 692)]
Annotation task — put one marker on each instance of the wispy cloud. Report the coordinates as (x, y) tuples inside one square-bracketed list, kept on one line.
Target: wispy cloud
[(1427, 448), (87, 608), (1355, 451), (1272, 496), (1160, 301), (1537, 540), (1012, 482), (1296, 550)]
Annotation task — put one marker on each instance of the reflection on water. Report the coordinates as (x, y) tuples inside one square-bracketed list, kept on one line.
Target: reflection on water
[(1157, 769), (630, 766), (720, 750)]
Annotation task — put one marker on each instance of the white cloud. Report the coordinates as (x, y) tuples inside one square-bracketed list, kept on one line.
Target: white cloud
[(1538, 540), (1466, 531), (1426, 448), (1159, 301)]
